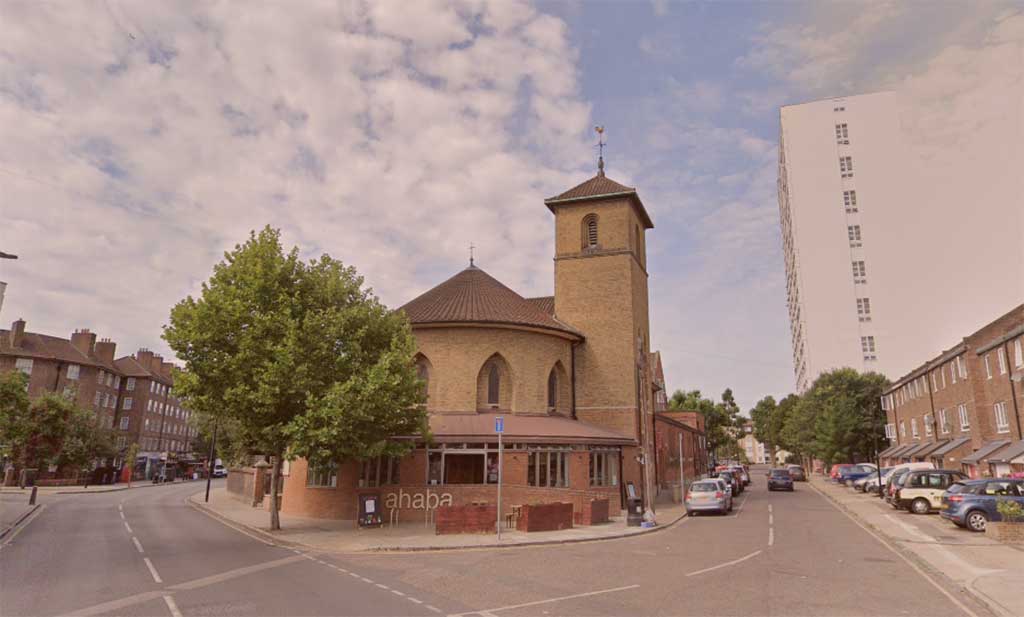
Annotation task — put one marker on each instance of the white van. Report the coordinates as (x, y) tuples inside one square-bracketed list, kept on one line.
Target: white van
[(871, 485)]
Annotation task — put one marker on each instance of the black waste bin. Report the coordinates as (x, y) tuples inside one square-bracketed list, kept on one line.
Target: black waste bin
[(634, 506)]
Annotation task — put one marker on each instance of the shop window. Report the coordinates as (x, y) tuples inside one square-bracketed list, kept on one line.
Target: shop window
[(379, 471), (463, 468), (548, 468), (322, 475), (604, 468)]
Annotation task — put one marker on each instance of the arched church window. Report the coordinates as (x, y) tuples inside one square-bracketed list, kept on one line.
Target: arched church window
[(590, 231), (493, 385), (552, 390), (423, 372)]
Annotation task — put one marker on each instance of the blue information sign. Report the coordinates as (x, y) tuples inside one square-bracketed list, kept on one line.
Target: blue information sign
[(499, 424)]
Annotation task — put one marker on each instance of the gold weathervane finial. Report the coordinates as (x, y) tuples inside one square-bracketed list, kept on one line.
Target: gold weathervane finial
[(600, 146)]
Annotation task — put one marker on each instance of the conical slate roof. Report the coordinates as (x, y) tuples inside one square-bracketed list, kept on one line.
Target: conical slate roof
[(600, 187), (473, 296)]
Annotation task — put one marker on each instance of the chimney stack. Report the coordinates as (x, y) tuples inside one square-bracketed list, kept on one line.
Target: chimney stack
[(105, 350), (17, 332), (154, 364), (84, 341), (144, 357), (166, 368)]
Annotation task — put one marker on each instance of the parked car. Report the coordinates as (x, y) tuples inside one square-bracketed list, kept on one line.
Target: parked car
[(797, 473), (871, 485), (743, 474), (861, 484), (833, 474), (892, 483), (708, 496), (855, 472), (972, 503), (780, 479), (219, 471), (921, 491), (733, 482)]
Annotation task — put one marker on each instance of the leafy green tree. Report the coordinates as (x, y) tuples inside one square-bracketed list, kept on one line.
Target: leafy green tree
[(298, 357), (763, 418), (50, 429), (844, 408), (721, 420)]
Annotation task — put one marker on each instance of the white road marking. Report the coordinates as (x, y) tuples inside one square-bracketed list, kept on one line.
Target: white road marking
[(397, 593), (172, 606), (353, 574), (412, 599), (435, 609), (365, 580), (381, 586), (120, 507), (152, 570), (769, 508), (31, 517), (901, 555), (548, 601), (128, 527), (122, 514), (137, 544), (771, 536), (227, 524), (726, 564)]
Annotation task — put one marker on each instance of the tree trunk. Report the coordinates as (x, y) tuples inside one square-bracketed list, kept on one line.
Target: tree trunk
[(275, 478)]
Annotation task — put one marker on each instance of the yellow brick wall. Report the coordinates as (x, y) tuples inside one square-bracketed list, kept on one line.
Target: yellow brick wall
[(457, 354)]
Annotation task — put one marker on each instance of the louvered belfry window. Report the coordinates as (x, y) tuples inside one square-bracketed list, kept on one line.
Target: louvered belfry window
[(590, 231)]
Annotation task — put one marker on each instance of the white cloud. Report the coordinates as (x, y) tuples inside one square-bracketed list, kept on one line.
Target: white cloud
[(149, 139)]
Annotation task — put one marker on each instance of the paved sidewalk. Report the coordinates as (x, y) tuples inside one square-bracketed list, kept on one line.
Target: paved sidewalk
[(345, 537), (990, 570), (93, 488)]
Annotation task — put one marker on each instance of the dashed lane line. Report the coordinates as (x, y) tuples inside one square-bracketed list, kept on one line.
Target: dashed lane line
[(128, 527), (138, 545), (771, 536), (433, 608), (122, 514), (152, 570), (172, 606)]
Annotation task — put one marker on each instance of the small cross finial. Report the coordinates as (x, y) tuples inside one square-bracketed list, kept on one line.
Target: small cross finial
[(600, 146), (471, 247)]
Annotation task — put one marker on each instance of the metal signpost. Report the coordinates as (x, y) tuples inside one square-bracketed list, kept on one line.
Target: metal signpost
[(499, 428)]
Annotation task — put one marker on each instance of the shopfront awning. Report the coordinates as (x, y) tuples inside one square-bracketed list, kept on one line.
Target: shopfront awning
[(984, 452), (950, 446), (1008, 454), (479, 428)]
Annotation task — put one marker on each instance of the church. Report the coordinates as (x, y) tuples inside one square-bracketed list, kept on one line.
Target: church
[(568, 374)]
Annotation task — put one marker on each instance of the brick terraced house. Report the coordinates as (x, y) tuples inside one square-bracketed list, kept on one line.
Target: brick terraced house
[(963, 409), (571, 374)]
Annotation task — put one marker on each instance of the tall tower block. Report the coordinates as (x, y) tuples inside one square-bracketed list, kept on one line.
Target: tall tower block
[(601, 289)]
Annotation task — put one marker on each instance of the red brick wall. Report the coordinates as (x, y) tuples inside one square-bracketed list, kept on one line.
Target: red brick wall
[(466, 519), (545, 517), (593, 512)]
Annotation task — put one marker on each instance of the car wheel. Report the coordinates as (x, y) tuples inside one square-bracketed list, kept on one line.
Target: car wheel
[(976, 520), (920, 506)]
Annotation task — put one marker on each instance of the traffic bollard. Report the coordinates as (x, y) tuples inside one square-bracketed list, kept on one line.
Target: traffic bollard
[(32, 497)]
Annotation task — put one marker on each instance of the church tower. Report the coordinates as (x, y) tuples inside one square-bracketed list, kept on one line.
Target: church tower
[(601, 290)]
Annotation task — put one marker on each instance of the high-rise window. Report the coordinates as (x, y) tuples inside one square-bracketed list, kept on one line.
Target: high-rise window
[(842, 134), (864, 309), (867, 346), (859, 272), (846, 166), (850, 201), (853, 231)]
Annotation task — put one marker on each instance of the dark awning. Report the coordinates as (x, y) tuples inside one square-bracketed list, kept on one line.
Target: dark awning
[(901, 449), (984, 451), (949, 447), (1006, 455), (917, 448), (885, 453), (932, 447)]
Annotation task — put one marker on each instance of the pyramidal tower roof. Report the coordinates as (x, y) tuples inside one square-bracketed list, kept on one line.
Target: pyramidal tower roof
[(473, 296), (600, 187)]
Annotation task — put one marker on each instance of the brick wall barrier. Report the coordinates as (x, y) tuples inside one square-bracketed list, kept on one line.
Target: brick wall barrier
[(241, 483), (465, 519), (1007, 533), (545, 517), (593, 512)]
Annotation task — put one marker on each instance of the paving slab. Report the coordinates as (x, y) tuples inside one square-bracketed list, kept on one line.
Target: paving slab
[(345, 537)]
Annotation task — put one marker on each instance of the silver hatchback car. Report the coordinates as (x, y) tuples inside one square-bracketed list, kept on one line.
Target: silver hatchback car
[(708, 496)]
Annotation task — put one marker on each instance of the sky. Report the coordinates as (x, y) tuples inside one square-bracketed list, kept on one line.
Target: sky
[(142, 140)]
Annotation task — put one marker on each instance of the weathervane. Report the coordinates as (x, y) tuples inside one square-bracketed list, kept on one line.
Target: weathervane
[(471, 247), (600, 149)]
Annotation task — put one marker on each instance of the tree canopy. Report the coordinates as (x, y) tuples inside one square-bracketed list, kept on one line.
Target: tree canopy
[(297, 358), (720, 419)]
